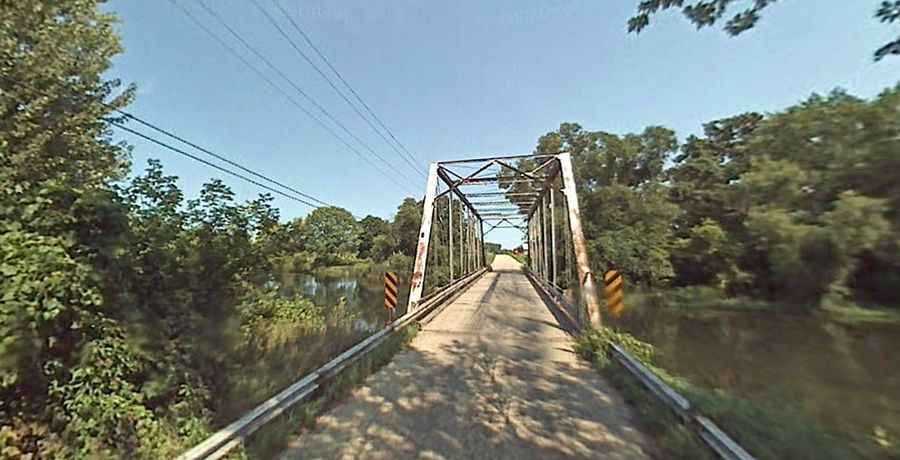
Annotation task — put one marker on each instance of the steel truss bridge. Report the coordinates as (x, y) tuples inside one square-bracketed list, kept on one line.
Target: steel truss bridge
[(492, 372)]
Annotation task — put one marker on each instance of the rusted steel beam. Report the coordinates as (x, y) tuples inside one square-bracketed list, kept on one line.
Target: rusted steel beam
[(417, 281), (491, 203), (482, 194), (450, 232), (507, 157), (509, 166), (543, 165), (553, 253), (454, 189), (579, 243), (545, 216), (508, 180)]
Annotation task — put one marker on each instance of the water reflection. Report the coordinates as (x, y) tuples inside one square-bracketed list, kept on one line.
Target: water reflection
[(363, 292), (846, 377)]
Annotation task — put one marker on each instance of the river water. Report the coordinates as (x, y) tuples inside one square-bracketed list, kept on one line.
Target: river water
[(363, 292), (847, 377)]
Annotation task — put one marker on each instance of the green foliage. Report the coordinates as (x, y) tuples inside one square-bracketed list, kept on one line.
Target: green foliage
[(705, 13), (406, 226), (332, 234), (132, 320), (371, 228)]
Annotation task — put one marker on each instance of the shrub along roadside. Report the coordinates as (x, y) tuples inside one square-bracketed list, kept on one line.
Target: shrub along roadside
[(766, 432)]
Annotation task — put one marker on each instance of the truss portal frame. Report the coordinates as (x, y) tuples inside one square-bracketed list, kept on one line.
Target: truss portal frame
[(535, 194)]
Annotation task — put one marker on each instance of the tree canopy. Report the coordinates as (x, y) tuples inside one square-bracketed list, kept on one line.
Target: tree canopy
[(706, 13), (799, 205)]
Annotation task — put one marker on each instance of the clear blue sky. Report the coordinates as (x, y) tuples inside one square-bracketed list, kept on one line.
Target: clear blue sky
[(469, 78)]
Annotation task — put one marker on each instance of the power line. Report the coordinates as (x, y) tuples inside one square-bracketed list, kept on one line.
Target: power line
[(341, 78), (172, 135), (208, 163), (220, 157), (284, 93), (284, 12), (278, 71)]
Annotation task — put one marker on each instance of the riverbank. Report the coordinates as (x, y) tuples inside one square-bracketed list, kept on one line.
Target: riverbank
[(834, 366), (767, 432), (698, 299)]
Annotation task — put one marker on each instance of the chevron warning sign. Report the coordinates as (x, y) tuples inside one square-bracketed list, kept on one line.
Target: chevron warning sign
[(390, 291), (612, 291)]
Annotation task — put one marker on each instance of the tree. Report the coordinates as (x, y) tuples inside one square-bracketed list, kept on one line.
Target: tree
[(705, 13), (332, 234), (406, 226), (60, 223), (624, 206), (372, 227), (777, 185)]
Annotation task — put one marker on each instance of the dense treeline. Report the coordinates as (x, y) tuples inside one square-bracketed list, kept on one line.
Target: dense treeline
[(800, 206), (133, 319)]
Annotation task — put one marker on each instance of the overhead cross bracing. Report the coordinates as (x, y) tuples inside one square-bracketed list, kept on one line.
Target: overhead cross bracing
[(534, 194)]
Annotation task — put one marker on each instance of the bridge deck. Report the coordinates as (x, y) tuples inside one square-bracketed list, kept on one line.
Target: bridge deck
[(493, 376)]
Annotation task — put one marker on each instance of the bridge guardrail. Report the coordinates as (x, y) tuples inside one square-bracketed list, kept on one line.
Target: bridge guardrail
[(221, 442), (708, 431)]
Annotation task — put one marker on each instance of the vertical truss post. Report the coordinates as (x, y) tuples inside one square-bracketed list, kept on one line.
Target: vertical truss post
[(553, 254), (567, 247), (450, 232), (466, 242), (537, 244), (417, 281), (483, 255), (474, 246), (528, 239), (585, 277), (475, 251), (544, 233), (470, 238), (462, 266)]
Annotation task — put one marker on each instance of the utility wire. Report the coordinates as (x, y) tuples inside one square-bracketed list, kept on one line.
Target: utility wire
[(341, 77), (284, 93), (284, 12), (172, 135), (278, 71), (220, 157), (208, 163)]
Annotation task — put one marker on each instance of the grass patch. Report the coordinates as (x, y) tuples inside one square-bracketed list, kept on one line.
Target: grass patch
[(519, 257), (854, 314), (273, 438), (767, 432), (700, 298)]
